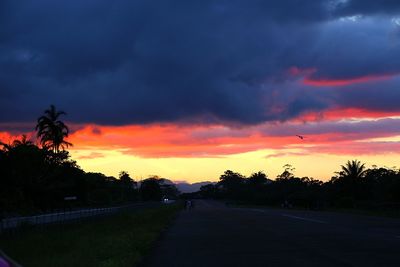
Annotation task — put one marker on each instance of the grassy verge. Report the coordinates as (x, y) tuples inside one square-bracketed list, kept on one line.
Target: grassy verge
[(119, 240)]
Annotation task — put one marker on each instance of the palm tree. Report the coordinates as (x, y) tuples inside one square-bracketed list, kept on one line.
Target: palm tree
[(23, 142), (51, 131), (353, 169), (6, 147)]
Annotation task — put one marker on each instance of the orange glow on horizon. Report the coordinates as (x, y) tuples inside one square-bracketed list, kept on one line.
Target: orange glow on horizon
[(202, 152), (169, 140)]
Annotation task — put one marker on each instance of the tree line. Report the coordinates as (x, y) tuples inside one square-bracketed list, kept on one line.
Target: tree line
[(353, 186), (42, 176)]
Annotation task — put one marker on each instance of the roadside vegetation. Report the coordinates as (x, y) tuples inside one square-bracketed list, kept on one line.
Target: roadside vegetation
[(354, 187), (37, 175), (119, 240)]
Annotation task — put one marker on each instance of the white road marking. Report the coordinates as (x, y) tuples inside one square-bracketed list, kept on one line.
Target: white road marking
[(286, 215), (247, 209), (302, 218)]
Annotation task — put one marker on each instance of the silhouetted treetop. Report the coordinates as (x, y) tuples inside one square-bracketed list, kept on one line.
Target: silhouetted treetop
[(258, 178), (52, 131), (353, 169), (287, 173)]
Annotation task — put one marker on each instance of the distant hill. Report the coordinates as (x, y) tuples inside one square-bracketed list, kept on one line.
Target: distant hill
[(184, 187), (189, 188)]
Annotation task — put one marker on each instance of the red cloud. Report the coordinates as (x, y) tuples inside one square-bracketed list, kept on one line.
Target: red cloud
[(340, 113), (170, 140), (358, 148), (343, 82), (307, 74), (328, 135)]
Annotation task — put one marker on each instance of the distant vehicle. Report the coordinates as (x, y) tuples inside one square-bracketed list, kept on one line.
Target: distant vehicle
[(167, 201)]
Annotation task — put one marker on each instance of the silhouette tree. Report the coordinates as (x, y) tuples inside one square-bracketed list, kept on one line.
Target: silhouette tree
[(287, 173), (125, 178), (347, 186), (52, 131), (353, 169), (150, 189), (129, 186), (23, 167), (168, 189), (231, 184), (257, 179), (17, 142), (208, 191), (256, 184)]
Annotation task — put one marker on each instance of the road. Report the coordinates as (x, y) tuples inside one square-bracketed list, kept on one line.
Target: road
[(214, 235)]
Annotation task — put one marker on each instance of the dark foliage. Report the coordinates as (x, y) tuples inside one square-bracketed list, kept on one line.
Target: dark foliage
[(52, 131), (38, 178), (150, 189), (352, 187), (35, 179)]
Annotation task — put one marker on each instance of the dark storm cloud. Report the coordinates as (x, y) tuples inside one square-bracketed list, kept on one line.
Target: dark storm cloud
[(367, 7), (17, 128), (151, 61), (378, 97)]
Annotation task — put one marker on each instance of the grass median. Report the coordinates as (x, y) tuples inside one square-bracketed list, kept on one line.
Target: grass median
[(118, 240)]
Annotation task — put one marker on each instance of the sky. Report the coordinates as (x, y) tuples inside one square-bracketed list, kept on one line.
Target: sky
[(189, 89)]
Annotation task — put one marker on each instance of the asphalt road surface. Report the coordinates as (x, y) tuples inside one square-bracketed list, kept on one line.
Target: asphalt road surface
[(214, 235)]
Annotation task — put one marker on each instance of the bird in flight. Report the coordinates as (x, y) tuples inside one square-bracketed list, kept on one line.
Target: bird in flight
[(300, 136)]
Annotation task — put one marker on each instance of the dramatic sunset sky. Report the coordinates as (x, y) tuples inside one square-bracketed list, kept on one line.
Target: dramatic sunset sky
[(187, 89)]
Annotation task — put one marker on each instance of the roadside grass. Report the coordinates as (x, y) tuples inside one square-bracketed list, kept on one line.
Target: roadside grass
[(122, 239)]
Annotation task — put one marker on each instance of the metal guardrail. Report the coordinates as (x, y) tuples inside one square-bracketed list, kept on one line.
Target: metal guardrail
[(61, 217)]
